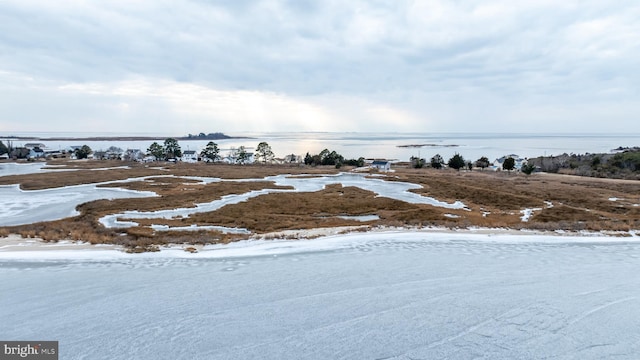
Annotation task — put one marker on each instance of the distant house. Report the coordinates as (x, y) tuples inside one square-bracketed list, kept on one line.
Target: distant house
[(52, 153), (4, 156), (100, 155), (114, 153), (34, 145), (133, 155), (35, 153), (497, 163), (233, 159), (381, 165), (190, 156), (288, 159)]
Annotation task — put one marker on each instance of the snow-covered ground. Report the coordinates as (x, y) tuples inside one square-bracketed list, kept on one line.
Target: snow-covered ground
[(387, 295)]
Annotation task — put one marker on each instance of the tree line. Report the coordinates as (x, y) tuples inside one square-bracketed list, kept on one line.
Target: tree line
[(327, 157), (458, 162)]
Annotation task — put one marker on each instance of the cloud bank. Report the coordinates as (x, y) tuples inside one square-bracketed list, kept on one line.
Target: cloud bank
[(427, 66)]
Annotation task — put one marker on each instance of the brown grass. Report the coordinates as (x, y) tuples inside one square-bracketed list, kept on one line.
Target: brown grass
[(578, 203)]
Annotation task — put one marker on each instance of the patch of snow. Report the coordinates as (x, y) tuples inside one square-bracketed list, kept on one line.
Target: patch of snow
[(360, 217), (614, 199), (452, 216), (109, 168), (527, 213), (222, 229)]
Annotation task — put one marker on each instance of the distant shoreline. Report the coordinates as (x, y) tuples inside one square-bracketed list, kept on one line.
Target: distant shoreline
[(123, 138), (426, 145)]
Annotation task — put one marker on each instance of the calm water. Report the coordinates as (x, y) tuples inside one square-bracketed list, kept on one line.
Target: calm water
[(388, 146)]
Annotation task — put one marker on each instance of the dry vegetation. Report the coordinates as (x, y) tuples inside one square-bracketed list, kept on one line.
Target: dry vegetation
[(494, 200)]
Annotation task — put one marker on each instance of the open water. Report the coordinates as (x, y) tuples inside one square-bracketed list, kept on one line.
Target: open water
[(391, 146)]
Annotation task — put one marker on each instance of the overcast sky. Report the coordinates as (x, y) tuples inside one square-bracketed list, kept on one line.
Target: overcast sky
[(178, 67)]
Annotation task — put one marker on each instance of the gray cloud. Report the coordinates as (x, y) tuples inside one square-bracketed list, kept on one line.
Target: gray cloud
[(438, 60)]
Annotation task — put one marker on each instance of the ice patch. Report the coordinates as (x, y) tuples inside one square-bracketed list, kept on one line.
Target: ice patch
[(25, 207), (261, 247), (21, 169), (392, 189), (222, 229), (527, 213), (112, 221), (362, 218)]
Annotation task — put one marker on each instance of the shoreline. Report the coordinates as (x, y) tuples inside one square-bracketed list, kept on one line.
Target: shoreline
[(16, 248), (121, 138)]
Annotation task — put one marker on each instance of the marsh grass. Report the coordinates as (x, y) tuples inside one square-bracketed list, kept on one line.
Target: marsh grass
[(577, 203)]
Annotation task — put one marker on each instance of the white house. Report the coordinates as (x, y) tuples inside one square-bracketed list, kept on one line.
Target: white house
[(232, 158), (34, 145), (381, 165), (190, 156), (498, 163), (35, 153)]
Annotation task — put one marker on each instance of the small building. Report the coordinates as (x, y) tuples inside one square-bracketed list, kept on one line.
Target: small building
[(233, 159), (34, 145), (292, 159), (381, 165), (133, 155), (518, 162), (35, 153), (190, 156)]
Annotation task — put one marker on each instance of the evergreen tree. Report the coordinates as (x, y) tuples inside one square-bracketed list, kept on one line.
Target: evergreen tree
[(528, 168), (156, 150), (456, 162), (263, 151), (172, 148), (509, 164), (211, 152), (483, 162), (83, 152), (437, 161), (242, 156)]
